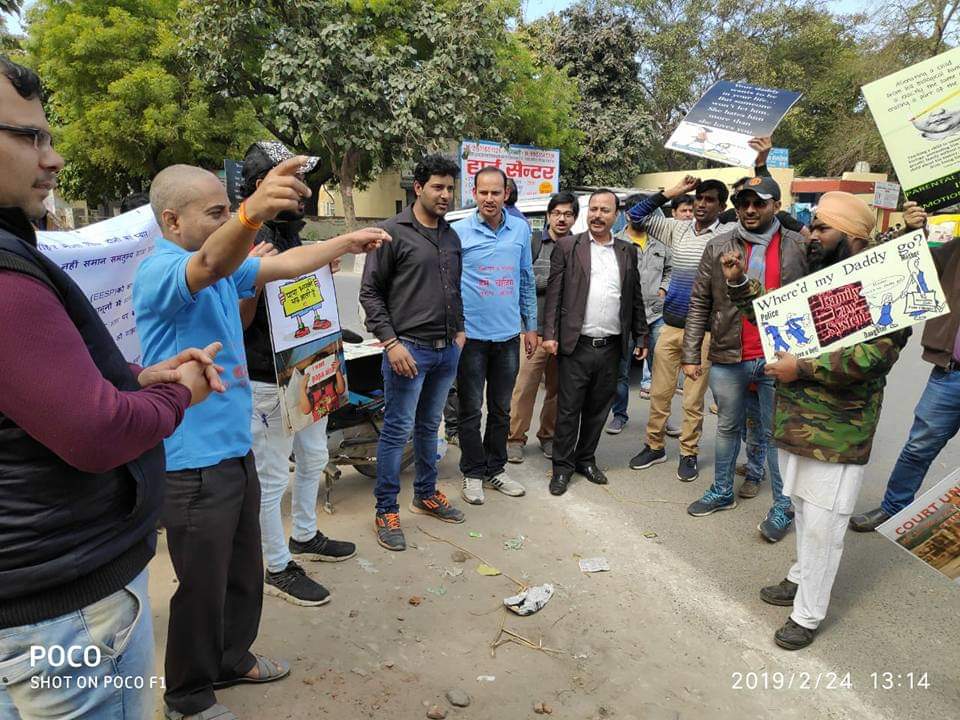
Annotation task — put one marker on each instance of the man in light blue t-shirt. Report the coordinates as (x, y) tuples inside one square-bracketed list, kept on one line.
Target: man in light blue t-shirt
[(499, 303), (190, 288)]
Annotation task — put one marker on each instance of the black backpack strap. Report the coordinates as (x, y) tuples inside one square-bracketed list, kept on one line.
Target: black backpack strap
[(15, 262), (536, 242)]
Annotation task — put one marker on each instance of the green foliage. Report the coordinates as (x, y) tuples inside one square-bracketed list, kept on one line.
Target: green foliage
[(369, 84), (530, 102), (123, 105), (595, 43)]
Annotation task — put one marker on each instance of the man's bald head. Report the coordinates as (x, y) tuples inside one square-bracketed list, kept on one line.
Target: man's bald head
[(189, 204), (175, 187)]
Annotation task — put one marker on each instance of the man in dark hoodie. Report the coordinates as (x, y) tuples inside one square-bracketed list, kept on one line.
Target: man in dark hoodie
[(284, 577), (81, 459)]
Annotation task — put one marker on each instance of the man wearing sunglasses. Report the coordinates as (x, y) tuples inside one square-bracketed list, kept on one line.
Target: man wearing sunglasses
[(775, 257)]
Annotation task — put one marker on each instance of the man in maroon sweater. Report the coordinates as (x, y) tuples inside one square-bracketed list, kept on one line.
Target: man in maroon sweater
[(81, 459)]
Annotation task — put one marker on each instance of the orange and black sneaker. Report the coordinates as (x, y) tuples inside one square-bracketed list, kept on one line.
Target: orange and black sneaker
[(389, 532), (438, 506)]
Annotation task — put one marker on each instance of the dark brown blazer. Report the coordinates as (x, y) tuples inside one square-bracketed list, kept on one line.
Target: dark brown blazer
[(569, 284)]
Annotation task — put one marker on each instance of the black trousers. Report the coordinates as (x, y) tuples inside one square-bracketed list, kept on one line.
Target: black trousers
[(587, 386), (212, 519), (490, 366)]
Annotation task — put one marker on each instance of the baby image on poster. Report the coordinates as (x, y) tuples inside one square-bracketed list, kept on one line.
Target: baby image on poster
[(313, 381)]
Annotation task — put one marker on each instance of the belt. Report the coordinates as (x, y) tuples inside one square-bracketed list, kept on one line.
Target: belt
[(438, 344), (953, 365), (600, 341)]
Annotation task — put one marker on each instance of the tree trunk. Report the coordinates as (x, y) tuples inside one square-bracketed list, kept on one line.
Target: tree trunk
[(348, 174)]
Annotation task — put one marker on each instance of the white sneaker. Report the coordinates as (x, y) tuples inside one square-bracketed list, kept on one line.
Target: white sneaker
[(472, 490), (504, 484)]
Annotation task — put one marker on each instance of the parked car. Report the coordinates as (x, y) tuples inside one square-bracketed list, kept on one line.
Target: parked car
[(535, 210)]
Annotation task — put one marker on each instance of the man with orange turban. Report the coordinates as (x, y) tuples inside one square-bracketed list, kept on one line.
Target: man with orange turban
[(827, 409)]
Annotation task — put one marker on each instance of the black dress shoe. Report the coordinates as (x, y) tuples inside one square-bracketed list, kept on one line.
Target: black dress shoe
[(593, 473), (868, 521), (559, 482)]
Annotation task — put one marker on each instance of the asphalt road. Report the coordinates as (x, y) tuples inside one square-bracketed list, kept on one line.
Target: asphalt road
[(889, 612)]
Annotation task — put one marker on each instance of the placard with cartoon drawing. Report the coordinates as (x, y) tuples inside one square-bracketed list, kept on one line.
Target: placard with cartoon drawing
[(302, 309), (873, 293), (721, 124)]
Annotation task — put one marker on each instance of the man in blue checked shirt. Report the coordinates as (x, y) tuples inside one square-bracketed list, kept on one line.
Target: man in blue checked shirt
[(499, 304)]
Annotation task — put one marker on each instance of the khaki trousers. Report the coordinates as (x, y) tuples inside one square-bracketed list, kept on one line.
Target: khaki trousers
[(666, 365), (525, 396)]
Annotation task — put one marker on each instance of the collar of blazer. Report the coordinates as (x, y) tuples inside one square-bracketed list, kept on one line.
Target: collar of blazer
[(581, 244)]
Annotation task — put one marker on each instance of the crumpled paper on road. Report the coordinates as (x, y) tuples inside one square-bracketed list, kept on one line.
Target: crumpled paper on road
[(530, 600)]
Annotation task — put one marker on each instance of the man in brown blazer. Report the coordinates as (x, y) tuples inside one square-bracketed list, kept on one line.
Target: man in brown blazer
[(594, 299)]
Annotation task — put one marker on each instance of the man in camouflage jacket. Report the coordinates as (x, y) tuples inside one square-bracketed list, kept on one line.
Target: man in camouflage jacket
[(827, 409)]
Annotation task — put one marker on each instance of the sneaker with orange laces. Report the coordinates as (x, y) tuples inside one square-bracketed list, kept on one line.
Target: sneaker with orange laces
[(438, 506), (389, 532)]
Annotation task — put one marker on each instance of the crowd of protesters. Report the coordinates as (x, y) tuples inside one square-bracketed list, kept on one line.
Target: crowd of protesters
[(193, 440)]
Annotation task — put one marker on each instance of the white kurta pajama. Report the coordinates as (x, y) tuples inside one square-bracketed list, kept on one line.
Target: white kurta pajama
[(824, 495)]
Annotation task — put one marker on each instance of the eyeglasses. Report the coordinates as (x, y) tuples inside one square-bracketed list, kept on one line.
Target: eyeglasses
[(42, 140), (561, 214)]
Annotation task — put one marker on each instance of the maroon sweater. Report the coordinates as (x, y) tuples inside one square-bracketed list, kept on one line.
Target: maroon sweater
[(50, 387)]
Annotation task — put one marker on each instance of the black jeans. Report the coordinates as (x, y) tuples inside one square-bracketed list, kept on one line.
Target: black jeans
[(494, 364), (588, 383), (451, 410), (212, 519)]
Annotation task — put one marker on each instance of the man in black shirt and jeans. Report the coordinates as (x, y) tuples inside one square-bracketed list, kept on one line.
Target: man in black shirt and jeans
[(411, 296), (284, 577)]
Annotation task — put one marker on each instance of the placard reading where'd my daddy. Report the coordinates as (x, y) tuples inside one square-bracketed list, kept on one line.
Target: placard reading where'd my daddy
[(873, 293)]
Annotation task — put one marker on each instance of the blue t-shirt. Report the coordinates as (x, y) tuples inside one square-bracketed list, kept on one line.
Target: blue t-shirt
[(497, 284), (171, 319)]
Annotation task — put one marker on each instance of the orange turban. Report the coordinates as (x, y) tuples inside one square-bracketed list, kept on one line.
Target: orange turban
[(847, 213)]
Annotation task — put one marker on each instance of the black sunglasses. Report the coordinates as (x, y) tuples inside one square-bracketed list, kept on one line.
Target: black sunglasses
[(42, 140)]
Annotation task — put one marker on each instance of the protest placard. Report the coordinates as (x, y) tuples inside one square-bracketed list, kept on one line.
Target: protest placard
[(724, 120), (102, 259), (535, 170), (917, 111), (307, 346), (929, 528), (302, 309), (942, 229), (886, 195), (873, 293)]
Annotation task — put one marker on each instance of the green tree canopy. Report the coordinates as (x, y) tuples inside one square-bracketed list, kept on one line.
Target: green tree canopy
[(123, 105), (367, 84), (595, 43)]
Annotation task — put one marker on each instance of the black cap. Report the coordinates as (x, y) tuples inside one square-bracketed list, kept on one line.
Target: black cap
[(766, 188)]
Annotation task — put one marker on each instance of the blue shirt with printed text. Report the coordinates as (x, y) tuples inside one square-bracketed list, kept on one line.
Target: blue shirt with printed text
[(497, 284), (171, 319)]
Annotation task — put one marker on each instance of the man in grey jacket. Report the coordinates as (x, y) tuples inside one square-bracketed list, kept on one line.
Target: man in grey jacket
[(654, 267)]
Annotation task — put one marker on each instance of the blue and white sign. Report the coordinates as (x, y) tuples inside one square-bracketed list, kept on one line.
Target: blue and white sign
[(779, 158)]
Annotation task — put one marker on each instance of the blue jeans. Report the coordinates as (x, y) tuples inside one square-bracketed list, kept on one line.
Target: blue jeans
[(756, 447), (111, 638), (729, 382), (271, 449), (494, 365), (413, 405), (622, 398), (936, 420)]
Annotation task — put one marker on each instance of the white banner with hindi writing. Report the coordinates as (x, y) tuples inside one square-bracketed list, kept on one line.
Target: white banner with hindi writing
[(102, 259), (873, 293), (536, 171)]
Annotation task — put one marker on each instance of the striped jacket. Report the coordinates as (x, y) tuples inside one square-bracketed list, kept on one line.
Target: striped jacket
[(686, 247)]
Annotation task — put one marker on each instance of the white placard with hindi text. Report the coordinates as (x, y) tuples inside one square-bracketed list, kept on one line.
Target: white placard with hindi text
[(103, 259)]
